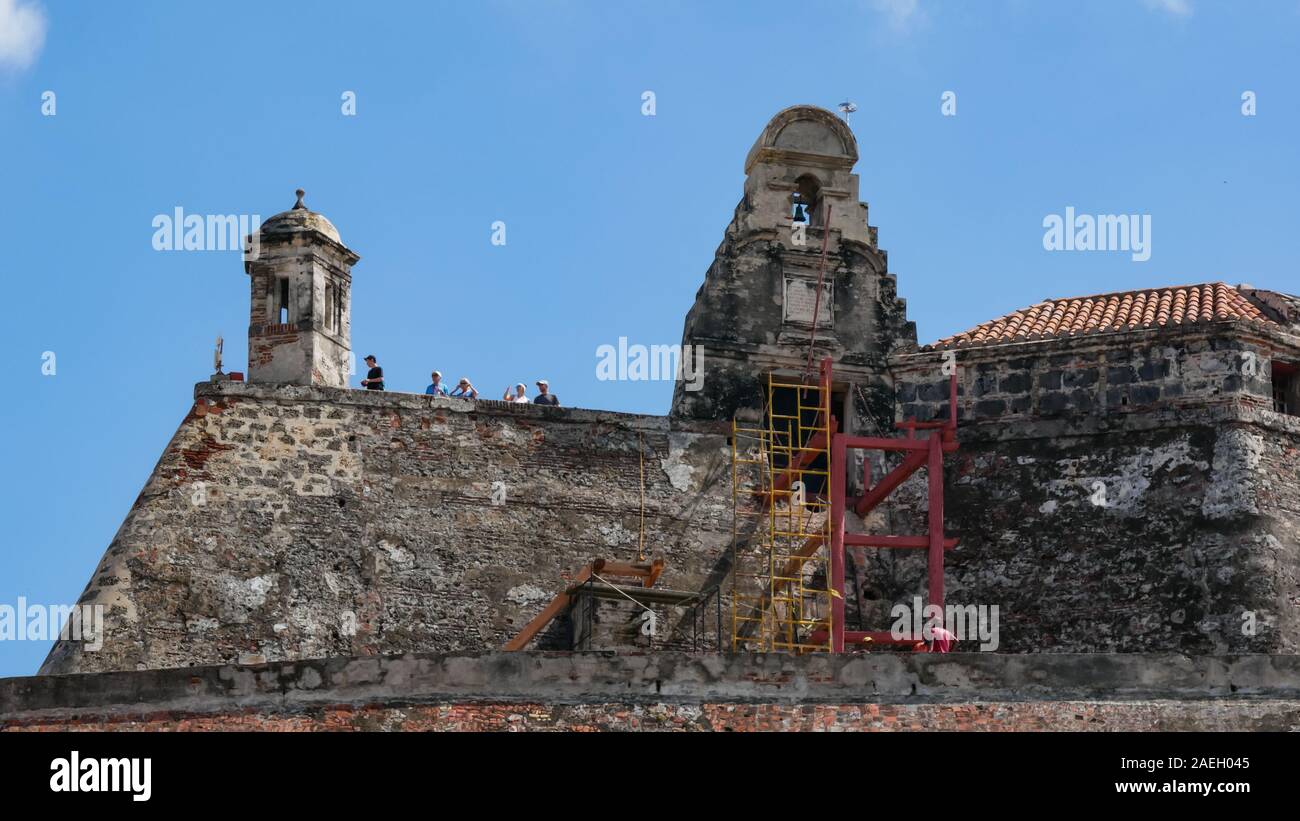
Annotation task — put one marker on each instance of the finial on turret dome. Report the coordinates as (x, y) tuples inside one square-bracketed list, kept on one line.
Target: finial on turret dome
[(299, 204)]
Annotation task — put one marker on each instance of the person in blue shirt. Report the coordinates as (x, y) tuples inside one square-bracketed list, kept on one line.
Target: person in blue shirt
[(465, 389), (437, 388)]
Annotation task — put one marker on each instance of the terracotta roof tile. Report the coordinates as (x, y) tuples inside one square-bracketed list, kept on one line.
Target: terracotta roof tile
[(1126, 310)]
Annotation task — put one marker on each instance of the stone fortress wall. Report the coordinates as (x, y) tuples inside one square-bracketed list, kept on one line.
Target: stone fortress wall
[(293, 518)]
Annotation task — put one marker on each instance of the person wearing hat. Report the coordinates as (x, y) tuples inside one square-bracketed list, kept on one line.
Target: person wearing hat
[(517, 396), (437, 388), (374, 380), (941, 638), (465, 389), (545, 397)]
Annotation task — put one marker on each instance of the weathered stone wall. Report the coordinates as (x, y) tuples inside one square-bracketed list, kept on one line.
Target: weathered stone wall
[(290, 522), (737, 321), (1120, 374), (287, 522), (673, 691), (1167, 522)]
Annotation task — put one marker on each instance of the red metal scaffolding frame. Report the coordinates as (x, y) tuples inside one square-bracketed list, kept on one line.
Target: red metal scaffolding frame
[(919, 452)]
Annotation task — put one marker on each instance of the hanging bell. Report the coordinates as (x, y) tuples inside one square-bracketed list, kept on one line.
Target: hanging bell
[(799, 213)]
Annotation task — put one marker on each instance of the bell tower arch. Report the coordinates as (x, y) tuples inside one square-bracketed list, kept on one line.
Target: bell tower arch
[(761, 307)]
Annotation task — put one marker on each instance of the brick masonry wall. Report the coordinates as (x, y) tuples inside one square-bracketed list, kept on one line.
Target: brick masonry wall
[(1072, 716), (287, 522)]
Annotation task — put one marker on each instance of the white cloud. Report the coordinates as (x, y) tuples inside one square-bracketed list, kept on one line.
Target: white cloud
[(22, 33), (900, 12), (1178, 8)]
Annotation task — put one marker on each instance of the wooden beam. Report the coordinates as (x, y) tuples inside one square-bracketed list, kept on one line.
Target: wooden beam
[(656, 569), (552, 610), (635, 569)]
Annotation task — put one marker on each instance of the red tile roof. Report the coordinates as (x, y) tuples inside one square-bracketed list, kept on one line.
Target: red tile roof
[(1124, 311)]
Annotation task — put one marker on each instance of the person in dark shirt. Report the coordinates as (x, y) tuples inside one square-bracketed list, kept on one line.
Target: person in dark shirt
[(545, 397), (374, 380)]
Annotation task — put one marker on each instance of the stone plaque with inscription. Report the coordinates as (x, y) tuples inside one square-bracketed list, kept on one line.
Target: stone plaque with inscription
[(801, 300)]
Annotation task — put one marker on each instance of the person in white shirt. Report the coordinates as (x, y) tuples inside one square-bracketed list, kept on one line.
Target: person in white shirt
[(519, 394)]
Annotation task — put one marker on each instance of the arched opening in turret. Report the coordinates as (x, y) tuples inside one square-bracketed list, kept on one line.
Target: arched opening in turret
[(805, 202), (282, 315)]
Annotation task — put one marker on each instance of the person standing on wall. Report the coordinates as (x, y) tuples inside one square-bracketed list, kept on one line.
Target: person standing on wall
[(374, 380), (436, 388), (465, 389), (545, 397)]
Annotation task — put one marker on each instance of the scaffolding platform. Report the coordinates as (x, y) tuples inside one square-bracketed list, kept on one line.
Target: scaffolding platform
[(789, 500), (781, 581)]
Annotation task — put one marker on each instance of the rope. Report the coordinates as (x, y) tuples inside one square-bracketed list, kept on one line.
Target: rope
[(640, 540), (867, 407), (621, 593), (817, 302)]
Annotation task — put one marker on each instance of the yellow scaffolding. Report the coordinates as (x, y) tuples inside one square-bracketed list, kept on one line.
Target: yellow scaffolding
[(781, 585)]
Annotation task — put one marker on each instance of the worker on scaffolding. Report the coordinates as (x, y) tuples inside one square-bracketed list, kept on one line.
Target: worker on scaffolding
[(936, 638)]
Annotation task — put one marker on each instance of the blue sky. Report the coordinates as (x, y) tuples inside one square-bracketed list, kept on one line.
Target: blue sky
[(530, 113)]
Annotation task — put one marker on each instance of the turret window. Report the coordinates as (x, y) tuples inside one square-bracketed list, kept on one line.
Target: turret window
[(333, 307), (282, 314), (1286, 388)]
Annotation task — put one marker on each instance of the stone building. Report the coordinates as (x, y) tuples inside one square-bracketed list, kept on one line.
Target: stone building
[(1128, 478), (1129, 473)]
